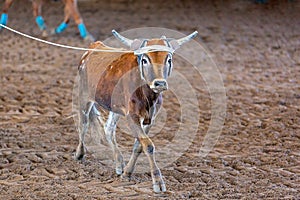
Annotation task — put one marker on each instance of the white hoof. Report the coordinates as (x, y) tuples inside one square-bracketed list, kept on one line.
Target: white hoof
[(119, 171), (159, 187)]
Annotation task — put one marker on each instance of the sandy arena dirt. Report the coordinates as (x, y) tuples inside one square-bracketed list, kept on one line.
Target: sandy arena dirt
[(257, 50)]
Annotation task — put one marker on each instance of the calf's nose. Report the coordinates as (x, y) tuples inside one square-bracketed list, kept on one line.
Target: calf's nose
[(159, 85)]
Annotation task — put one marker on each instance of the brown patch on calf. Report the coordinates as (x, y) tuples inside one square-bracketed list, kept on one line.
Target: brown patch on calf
[(147, 145)]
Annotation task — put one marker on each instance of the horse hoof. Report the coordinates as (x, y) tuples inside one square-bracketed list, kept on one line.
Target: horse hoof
[(89, 38), (44, 34)]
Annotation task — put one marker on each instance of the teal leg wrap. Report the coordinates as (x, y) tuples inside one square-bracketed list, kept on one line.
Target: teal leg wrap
[(61, 27), (3, 19), (82, 30), (40, 22)]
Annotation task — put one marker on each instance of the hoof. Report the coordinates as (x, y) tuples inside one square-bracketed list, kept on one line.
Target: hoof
[(89, 38), (52, 32), (126, 176), (159, 187), (120, 167), (79, 157), (80, 152), (119, 171), (44, 34)]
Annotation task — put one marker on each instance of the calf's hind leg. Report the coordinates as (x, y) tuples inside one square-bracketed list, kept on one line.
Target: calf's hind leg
[(84, 121), (110, 133)]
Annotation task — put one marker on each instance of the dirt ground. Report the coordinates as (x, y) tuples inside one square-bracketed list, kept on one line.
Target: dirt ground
[(257, 50)]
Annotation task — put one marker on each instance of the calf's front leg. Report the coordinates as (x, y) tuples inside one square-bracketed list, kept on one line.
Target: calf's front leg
[(135, 124), (136, 151)]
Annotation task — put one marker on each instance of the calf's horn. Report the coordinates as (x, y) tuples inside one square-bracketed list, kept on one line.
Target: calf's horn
[(123, 39), (185, 39)]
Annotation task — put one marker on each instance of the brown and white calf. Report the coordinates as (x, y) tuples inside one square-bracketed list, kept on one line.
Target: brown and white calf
[(126, 84), (70, 9)]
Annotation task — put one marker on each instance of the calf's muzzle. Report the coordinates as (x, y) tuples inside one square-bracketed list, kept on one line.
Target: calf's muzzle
[(159, 85)]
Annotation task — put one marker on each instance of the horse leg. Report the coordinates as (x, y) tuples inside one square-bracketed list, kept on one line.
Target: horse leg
[(71, 6), (37, 13), (62, 26), (4, 15)]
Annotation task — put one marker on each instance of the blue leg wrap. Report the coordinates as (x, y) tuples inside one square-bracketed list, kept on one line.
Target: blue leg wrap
[(82, 30), (40, 22), (61, 27), (4, 18)]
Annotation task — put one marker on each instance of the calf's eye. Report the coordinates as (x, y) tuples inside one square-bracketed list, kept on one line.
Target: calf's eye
[(144, 61)]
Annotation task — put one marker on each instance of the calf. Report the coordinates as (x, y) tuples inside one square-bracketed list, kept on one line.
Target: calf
[(128, 84)]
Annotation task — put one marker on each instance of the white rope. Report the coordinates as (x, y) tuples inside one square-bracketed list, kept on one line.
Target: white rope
[(61, 45), (152, 48)]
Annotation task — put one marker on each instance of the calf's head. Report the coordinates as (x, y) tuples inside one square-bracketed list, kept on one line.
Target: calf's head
[(154, 57)]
